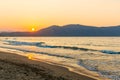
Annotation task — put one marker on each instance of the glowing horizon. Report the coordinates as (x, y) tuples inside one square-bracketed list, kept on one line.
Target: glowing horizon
[(22, 15)]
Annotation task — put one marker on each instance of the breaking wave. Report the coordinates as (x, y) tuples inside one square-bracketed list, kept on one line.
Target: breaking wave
[(43, 45), (109, 52)]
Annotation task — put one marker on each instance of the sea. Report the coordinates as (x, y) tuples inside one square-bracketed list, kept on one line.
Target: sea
[(97, 54)]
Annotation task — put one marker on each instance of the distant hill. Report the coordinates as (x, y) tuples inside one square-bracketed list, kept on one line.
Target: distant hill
[(70, 30)]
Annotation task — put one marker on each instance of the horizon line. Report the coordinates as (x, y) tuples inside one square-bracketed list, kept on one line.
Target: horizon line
[(64, 26)]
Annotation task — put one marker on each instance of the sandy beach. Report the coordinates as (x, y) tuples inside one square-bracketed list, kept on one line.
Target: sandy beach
[(17, 67)]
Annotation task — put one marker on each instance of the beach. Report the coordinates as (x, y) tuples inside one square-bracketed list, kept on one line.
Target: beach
[(17, 67)]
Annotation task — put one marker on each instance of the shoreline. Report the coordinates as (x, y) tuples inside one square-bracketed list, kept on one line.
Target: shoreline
[(52, 70), (81, 71)]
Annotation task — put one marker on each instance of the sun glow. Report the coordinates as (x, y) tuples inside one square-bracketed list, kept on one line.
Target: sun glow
[(33, 29), (30, 56)]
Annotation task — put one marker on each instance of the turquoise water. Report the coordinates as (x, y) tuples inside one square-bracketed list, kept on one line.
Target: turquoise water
[(99, 54)]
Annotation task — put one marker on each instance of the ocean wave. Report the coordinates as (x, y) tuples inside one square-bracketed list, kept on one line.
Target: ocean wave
[(99, 66), (23, 43), (43, 45), (109, 52), (49, 54)]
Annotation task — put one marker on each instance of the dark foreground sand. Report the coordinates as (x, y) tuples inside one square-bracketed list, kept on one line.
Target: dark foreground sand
[(16, 67)]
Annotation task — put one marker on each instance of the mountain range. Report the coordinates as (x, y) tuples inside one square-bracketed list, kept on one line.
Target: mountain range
[(70, 30)]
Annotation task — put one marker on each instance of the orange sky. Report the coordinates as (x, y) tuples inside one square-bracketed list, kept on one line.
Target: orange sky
[(22, 15)]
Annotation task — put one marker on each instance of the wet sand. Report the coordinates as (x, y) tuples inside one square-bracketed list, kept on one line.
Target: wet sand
[(16, 67)]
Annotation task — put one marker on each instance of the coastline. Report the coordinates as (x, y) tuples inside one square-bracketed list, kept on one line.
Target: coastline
[(37, 69)]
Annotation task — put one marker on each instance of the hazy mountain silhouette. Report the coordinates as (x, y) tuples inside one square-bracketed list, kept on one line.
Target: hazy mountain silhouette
[(70, 30)]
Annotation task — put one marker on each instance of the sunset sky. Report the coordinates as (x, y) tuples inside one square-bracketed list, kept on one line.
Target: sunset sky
[(23, 15)]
